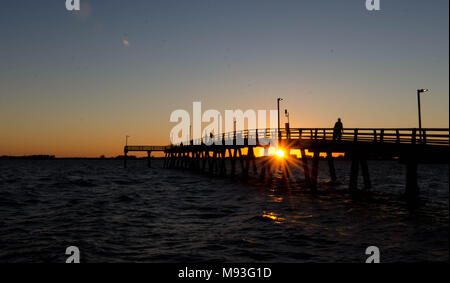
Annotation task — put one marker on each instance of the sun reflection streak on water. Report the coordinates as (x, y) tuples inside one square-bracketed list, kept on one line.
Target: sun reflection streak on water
[(273, 216)]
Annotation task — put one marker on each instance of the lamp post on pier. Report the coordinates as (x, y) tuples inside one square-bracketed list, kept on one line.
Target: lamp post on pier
[(287, 125), (278, 107), (419, 91)]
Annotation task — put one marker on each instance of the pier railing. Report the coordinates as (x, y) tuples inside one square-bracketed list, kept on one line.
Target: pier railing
[(427, 136)]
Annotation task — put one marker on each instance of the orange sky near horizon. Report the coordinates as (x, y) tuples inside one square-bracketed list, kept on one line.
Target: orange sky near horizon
[(93, 136)]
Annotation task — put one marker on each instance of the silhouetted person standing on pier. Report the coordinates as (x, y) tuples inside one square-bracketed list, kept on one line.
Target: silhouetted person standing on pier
[(337, 131)]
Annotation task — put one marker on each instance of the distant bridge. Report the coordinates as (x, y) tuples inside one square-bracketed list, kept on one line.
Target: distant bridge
[(409, 144)]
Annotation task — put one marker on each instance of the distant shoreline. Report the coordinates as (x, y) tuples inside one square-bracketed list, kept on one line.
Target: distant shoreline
[(52, 157), (132, 157)]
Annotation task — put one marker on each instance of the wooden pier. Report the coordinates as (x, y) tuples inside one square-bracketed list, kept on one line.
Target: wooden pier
[(147, 148), (408, 144)]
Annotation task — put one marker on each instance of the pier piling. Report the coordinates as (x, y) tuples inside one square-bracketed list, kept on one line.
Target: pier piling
[(149, 159), (353, 185), (315, 169), (305, 165), (331, 166)]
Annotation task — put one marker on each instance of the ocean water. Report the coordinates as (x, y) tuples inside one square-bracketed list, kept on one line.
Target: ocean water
[(139, 214)]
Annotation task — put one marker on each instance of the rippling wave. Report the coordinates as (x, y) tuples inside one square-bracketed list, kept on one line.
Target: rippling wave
[(159, 215)]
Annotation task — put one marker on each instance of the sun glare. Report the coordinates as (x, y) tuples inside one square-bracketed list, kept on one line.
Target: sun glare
[(280, 153)]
